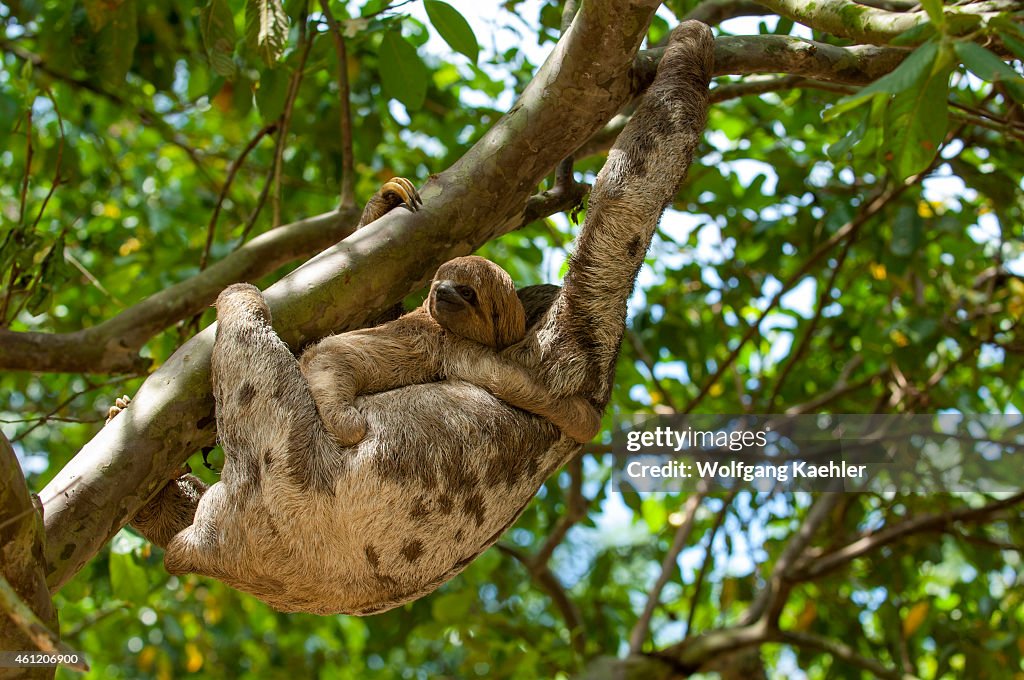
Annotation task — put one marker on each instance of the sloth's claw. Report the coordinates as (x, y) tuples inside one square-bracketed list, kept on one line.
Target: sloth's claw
[(404, 191), (120, 404)]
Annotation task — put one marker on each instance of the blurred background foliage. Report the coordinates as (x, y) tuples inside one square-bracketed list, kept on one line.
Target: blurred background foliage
[(813, 264)]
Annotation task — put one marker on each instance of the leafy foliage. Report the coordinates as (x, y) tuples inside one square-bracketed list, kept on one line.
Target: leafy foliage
[(836, 249)]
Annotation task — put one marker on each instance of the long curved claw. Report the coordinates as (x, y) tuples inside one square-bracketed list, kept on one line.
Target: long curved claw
[(403, 189)]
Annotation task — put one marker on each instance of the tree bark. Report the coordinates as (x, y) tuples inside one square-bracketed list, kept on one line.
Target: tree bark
[(21, 561)]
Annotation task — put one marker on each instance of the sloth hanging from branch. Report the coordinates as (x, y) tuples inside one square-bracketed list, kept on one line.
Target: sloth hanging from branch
[(486, 395)]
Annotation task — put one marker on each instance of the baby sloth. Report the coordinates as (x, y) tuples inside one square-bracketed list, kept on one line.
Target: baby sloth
[(471, 313)]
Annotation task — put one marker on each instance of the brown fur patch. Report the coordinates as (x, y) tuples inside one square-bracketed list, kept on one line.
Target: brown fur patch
[(412, 550), (245, 394)]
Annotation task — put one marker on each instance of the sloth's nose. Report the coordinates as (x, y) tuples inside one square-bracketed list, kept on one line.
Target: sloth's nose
[(449, 291)]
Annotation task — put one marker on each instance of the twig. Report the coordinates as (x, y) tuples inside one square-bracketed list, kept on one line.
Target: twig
[(575, 510), (286, 116), (90, 277), (111, 607), (347, 194), (808, 570), (57, 163), (668, 567), (843, 652), (236, 164), (824, 297), (37, 631), (546, 579), (387, 8), (705, 566), (648, 361), (50, 416), (769, 602), (28, 166)]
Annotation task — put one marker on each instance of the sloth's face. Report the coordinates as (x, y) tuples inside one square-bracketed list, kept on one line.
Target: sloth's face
[(476, 299)]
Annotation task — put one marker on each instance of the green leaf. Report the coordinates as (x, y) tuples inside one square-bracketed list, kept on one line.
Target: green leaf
[(934, 9), (917, 119), (987, 66), (915, 36), (1016, 46), (116, 34), (271, 93), (453, 27), (403, 74), (217, 24), (266, 29), (907, 76), (839, 149)]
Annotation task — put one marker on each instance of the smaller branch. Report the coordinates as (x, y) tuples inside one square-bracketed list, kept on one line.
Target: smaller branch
[(211, 227), (57, 163), (645, 358), (714, 12), (769, 602), (28, 166), (843, 652), (749, 54), (347, 193), (37, 631), (546, 579), (824, 300), (811, 569), (842, 387), (52, 414), (286, 116), (705, 566), (668, 567), (576, 509), (846, 19)]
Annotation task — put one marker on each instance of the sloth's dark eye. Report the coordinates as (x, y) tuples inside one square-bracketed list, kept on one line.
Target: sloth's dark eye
[(466, 293)]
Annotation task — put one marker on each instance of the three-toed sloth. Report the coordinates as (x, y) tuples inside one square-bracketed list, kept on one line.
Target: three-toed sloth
[(342, 494)]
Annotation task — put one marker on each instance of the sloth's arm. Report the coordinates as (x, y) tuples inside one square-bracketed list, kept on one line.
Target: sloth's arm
[(517, 386), (341, 367)]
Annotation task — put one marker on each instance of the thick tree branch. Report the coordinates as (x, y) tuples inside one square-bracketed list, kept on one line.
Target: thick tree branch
[(581, 85), (847, 19), (27, 615), (112, 346)]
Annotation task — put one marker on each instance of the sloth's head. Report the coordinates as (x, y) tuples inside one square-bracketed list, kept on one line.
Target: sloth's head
[(476, 299)]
